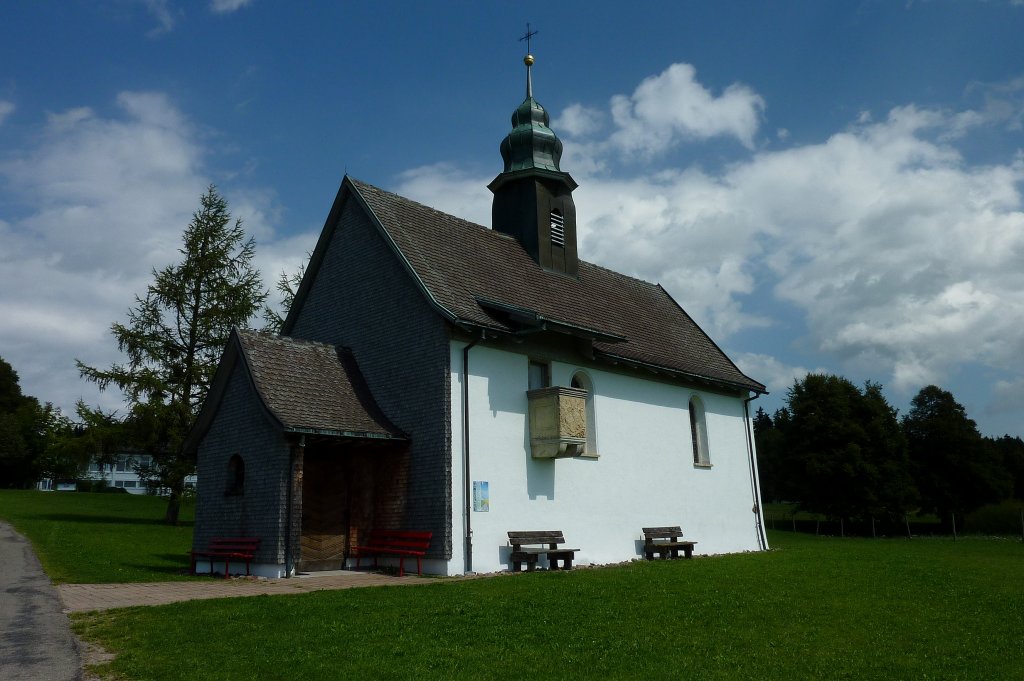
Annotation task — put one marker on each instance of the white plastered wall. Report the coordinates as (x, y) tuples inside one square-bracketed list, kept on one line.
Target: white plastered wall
[(644, 474)]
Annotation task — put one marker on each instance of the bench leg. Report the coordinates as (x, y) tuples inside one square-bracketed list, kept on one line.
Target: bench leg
[(566, 562), (688, 550)]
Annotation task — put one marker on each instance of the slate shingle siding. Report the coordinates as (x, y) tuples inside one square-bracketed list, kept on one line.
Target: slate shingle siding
[(362, 298), (241, 427)]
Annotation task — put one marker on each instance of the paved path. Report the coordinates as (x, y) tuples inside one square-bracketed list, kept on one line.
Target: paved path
[(81, 597), (35, 639)]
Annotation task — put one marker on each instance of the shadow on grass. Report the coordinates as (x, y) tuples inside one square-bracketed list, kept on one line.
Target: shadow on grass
[(108, 519), (179, 564)]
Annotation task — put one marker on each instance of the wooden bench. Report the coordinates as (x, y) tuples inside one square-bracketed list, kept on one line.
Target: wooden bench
[(666, 541), (525, 549), (401, 543), (228, 548)]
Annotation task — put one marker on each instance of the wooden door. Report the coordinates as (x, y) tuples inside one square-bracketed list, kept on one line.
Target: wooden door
[(325, 511)]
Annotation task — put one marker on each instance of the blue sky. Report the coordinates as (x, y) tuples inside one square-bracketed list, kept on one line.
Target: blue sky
[(824, 186)]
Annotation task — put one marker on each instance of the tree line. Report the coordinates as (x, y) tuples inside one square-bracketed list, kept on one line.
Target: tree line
[(843, 451)]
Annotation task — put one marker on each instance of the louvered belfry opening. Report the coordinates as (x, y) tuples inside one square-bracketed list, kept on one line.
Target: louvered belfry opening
[(532, 195)]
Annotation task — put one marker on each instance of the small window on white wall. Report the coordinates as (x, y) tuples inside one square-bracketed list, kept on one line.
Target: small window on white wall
[(539, 375), (699, 433), (582, 381)]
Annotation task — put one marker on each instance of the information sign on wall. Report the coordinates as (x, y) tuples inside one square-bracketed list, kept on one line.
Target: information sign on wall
[(481, 496)]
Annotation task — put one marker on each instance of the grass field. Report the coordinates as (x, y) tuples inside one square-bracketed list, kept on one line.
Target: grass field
[(813, 607), (810, 608), (96, 538)]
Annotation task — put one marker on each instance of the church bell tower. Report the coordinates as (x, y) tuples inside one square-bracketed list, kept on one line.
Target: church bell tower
[(532, 196)]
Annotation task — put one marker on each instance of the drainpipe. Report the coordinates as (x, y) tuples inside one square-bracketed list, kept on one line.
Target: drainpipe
[(755, 487), (466, 492)]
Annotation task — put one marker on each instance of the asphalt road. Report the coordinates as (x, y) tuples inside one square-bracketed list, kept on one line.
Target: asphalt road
[(36, 643)]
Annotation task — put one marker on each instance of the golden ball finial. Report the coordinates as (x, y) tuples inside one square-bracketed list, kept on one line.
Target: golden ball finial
[(528, 60)]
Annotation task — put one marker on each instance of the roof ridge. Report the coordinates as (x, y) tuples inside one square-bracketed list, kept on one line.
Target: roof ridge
[(484, 228), (456, 261), (406, 199)]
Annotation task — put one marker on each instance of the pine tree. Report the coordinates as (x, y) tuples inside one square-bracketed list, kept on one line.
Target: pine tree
[(175, 335)]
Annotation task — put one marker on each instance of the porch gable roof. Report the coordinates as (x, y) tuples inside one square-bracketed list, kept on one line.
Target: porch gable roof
[(306, 387), (313, 387)]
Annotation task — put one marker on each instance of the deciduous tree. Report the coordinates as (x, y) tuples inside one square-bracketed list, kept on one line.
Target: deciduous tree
[(26, 429), (841, 451), (956, 472)]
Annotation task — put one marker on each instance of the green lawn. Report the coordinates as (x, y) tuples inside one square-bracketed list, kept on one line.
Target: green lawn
[(810, 608), (94, 538), (820, 608)]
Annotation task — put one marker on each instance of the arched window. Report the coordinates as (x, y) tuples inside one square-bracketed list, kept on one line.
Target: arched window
[(235, 478), (581, 381), (699, 433)]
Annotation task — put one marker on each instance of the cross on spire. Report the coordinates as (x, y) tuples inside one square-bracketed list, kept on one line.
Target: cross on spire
[(528, 59), (528, 36)]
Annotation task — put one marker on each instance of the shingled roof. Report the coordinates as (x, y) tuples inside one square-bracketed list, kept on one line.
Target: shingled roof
[(478, 277), (307, 387), (312, 386)]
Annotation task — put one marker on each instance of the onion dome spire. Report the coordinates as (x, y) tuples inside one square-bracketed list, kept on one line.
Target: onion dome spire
[(533, 196), (531, 144)]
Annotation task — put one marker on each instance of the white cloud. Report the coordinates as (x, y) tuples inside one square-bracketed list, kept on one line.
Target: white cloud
[(97, 204), (678, 229), (902, 258), (226, 6), (673, 106), (6, 108), (1008, 396), (161, 11), (94, 204), (578, 120), (900, 254), (449, 189), (777, 376)]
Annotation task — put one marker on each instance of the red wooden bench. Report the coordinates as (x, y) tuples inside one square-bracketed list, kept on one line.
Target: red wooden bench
[(228, 548), (401, 543)]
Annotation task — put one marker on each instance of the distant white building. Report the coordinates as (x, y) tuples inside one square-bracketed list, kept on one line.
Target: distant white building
[(121, 474)]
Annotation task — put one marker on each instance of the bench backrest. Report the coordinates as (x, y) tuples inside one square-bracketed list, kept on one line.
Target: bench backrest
[(522, 537), (399, 539), (662, 532), (236, 544)]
